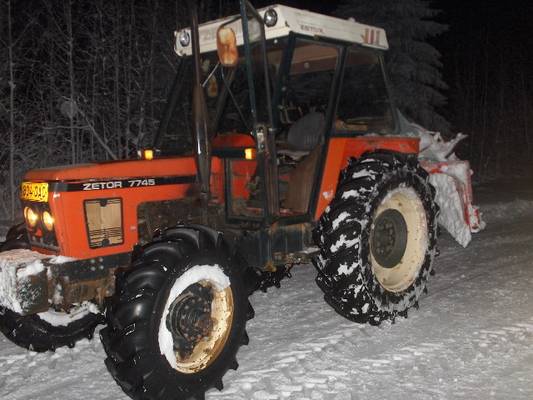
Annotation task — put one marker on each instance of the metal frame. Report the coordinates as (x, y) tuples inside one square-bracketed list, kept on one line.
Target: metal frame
[(264, 135), (387, 88), (332, 104)]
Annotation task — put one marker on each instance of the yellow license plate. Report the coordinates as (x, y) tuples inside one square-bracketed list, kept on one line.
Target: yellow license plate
[(34, 191)]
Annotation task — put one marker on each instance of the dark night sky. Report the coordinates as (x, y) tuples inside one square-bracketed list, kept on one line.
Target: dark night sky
[(506, 25), (509, 21)]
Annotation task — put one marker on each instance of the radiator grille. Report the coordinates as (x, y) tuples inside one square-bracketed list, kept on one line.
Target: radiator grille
[(104, 222)]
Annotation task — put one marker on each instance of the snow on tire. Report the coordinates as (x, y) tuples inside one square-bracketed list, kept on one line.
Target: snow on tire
[(377, 238), (50, 330), (178, 316)]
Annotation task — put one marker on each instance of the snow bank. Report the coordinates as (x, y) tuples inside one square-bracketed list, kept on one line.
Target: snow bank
[(451, 215), (451, 180), (432, 146), (504, 211), (9, 260)]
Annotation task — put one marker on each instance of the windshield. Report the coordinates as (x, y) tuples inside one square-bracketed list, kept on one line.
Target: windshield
[(364, 104), (227, 96)]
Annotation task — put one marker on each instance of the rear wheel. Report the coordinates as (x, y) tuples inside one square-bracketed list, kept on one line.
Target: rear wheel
[(178, 317), (377, 238), (51, 329)]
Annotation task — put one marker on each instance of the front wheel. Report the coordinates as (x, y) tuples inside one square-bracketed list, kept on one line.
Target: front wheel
[(178, 317), (52, 329), (377, 238)]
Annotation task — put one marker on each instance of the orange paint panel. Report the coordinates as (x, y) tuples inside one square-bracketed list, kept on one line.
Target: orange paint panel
[(217, 180), (330, 176), (341, 149), (116, 169), (68, 209), (233, 140), (242, 173), (68, 206)]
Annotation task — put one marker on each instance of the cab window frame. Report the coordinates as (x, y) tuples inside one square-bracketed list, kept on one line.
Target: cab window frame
[(284, 74), (393, 110)]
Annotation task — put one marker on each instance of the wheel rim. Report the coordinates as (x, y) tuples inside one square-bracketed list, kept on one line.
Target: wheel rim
[(389, 238), (197, 321), (398, 239)]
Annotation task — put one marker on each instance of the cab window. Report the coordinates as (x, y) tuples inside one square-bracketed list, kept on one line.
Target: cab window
[(364, 104)]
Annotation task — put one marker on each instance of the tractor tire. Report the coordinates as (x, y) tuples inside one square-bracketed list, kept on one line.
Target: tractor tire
[(178, 316), (377, 238), (49, 330)]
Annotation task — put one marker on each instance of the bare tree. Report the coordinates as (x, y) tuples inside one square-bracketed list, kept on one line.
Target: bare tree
[(11, 111)]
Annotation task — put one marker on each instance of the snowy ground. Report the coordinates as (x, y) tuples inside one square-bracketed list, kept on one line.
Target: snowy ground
[(471, 339)]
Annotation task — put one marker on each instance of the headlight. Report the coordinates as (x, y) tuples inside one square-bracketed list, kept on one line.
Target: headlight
[(270, 17), (48, 221), (184, 38), (31, 217)]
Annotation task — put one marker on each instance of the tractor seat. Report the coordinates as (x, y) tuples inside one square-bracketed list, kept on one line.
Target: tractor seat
[(304, 142), (304, 135)]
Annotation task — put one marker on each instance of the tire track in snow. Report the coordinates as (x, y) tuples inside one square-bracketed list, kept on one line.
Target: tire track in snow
[(78, 372), (307, 374)]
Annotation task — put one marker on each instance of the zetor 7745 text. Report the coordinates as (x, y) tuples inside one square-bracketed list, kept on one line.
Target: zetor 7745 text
[(294, 155)]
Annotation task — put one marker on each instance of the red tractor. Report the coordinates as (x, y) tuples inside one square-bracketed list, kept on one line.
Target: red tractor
[(296, 156)]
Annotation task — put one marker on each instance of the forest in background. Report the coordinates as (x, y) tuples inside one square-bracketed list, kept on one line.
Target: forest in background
[(83, 81)]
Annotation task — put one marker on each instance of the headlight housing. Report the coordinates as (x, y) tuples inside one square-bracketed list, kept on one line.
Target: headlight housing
[(270, 17), (31, 217), (48, 221), (184, 38)]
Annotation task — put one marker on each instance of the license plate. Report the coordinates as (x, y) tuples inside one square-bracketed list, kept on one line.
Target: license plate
[(34, 192)]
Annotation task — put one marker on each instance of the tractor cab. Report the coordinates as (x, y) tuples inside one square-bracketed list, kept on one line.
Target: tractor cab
[(284, 89)]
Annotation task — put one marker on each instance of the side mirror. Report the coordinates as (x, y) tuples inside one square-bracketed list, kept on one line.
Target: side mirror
[(228, 54)]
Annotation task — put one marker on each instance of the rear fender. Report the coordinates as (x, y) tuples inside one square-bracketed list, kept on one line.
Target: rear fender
[(341, 149)]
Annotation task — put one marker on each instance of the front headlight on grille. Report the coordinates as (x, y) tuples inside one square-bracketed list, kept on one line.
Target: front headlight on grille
[(31, 216), (48, 221)]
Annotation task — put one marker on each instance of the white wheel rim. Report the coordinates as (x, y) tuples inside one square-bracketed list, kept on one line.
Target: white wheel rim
[(406, 201), (209, 348)]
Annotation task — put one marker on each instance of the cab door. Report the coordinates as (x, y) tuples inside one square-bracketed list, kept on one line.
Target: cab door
[(304, 103)]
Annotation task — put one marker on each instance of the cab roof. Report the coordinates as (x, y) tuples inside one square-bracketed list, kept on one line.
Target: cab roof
[(291, 19)]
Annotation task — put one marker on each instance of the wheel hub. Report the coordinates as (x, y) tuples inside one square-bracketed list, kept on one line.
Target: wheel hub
[(189, 318), (389, 238)]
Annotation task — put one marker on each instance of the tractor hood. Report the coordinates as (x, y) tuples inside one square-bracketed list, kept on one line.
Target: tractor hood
[(115, 169)]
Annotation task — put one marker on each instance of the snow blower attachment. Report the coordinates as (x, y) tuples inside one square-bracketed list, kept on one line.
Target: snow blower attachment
[(452, 179), (458, 215), (287, 165)]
